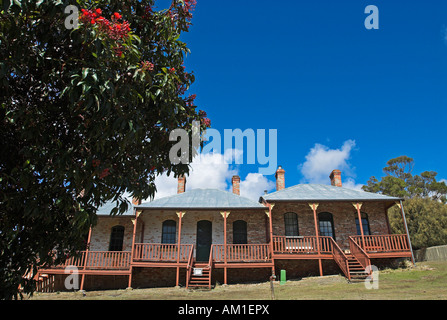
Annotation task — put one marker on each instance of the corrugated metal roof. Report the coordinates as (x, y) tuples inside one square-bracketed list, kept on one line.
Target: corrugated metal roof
[(203, 199), (107, 207), (321, 192)]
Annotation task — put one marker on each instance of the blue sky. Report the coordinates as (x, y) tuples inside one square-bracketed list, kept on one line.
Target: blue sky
[(337, 93)]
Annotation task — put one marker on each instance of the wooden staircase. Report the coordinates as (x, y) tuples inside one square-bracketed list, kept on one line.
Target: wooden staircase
[(355, 269), (202, 281)]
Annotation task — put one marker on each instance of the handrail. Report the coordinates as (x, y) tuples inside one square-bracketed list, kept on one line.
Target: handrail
[(210, 260), (359, 253), (189, 266), (210, 265), (340, 258)]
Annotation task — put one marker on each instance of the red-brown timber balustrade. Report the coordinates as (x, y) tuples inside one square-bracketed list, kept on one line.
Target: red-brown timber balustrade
[(95, 262), (384, 246), (242, 255), (156, 254)]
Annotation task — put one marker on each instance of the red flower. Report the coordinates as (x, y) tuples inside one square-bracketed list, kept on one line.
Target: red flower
[(96, 162), (112, 29), (104, 173), (146, 65)]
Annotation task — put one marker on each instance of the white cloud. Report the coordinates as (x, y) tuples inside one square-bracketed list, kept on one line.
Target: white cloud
[(214, 171), (254, 186), (350, 183), (321, 160)]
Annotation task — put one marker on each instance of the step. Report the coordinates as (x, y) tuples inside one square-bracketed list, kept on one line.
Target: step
[(199, 282), (199, 278), (198, 286), (356, 270), (356, 266)]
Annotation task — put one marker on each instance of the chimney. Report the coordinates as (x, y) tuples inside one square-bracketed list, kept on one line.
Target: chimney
[(336, 178), (135, 201), (236, 181), (280, 180), (181, 184)]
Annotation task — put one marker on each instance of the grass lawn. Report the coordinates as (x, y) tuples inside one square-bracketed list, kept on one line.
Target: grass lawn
[(427, 280)]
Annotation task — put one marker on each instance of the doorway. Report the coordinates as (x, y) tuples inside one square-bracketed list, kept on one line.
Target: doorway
[(204, 240)]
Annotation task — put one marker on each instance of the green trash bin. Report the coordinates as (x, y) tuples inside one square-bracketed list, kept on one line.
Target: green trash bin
[(283, 277)]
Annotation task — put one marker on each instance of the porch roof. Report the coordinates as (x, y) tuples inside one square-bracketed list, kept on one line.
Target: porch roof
[(320, 192), (203, 199)]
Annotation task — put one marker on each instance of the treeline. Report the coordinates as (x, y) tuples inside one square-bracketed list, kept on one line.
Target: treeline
[(425, 201)]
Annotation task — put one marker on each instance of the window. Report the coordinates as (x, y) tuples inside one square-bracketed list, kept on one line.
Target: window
[(291, 224), (365, 224), (239, 232), (326, 224), (168, 232), (116, 239)]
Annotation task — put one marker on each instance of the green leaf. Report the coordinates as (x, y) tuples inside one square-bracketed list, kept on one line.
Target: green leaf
[(84, 73)]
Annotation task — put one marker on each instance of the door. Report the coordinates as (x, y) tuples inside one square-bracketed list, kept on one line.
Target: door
[(204, 239)]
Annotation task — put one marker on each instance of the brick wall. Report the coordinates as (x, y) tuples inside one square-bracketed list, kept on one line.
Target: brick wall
[(300, 268), (149, 227), (101, 232), (343, 213), (153, 221)]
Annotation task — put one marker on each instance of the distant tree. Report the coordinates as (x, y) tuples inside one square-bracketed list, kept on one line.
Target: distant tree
[(426, 220), (425, 201), (400, 182), (85, 115)]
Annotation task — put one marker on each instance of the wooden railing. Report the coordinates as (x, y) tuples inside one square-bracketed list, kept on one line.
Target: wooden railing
[(359, 253), (161, 252), (340, 258), (78, 261), (189, 266), (383, 243), (210, 265), (106, 260), (241, 253), (304, 245), (98, 260)]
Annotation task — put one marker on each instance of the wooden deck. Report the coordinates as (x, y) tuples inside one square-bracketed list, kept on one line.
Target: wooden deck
[(361, 250), (165, 255)]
